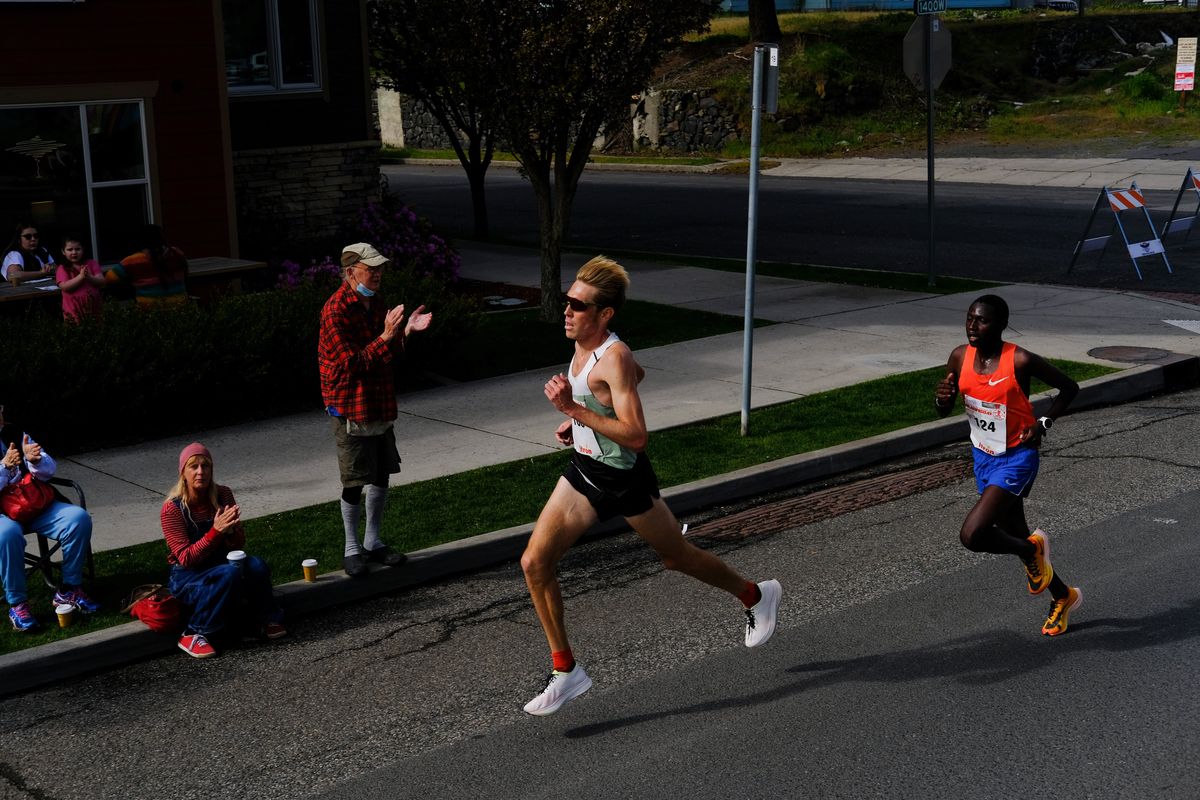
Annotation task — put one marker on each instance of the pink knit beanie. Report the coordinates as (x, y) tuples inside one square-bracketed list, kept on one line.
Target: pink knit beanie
[(193, 449)]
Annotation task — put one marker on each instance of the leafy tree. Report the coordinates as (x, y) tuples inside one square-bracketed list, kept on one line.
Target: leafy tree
[(563, 70), (429, 52), (764, 21)]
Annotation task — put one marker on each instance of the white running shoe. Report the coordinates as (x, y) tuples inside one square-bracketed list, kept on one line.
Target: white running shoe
[(760, 618), (560, 688)]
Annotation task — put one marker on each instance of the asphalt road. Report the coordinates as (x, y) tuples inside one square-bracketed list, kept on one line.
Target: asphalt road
[(904, 666), (1000, 233)]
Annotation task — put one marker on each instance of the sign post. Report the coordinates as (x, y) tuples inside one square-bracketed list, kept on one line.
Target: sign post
[(765, 89), (1185, 68), (926, 62)]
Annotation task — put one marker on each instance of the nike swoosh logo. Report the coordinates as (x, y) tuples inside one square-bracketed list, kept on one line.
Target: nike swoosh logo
[(997, 383), (1010, 483)]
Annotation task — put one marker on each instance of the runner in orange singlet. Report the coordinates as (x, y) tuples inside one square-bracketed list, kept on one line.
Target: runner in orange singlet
[(993, 376)]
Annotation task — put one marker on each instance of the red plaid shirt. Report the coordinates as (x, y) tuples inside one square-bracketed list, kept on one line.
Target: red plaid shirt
[(355, 364)]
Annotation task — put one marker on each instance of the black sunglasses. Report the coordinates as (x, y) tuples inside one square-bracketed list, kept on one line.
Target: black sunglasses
[(577, 305)]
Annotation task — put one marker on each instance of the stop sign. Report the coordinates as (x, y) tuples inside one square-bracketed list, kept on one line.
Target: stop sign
[(914, 51)]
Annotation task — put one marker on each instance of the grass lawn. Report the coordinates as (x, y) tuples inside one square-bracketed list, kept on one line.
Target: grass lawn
[(456, 506)]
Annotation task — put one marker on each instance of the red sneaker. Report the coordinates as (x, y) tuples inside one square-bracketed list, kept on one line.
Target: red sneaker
[(196, 646), (274, 630)]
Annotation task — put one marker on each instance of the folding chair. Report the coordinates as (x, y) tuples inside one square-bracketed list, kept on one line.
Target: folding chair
[(41, 561)]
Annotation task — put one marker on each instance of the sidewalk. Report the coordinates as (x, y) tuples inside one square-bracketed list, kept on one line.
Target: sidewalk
[(829, 336), (1093, 173)]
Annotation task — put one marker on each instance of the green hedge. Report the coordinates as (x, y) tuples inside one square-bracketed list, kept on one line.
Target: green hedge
[(137, 374)]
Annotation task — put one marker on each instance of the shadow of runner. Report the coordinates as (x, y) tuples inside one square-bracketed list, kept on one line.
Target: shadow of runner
[(976, 660)]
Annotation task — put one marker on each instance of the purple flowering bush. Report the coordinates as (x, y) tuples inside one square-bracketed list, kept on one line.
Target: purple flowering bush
[(292, 276), (398, 233)]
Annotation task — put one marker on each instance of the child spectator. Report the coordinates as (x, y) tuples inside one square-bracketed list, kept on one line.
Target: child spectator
[(79, 280)]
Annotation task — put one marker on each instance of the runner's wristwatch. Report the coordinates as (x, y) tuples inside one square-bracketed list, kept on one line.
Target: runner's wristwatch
[(1046, 423)]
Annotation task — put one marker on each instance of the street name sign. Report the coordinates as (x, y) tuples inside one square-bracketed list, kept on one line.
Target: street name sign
[(929, 6)]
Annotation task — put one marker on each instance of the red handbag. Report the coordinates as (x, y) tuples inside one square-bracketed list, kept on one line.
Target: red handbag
[(25, 499), (156, 607)]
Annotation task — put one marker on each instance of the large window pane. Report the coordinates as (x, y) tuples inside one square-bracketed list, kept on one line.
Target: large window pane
[(115, 141), (247, 37), (42, 177), (296, 40), (121, 211)]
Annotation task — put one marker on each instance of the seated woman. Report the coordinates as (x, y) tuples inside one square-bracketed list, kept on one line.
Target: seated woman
[(202, 523), (25, 459), (24, 258), (158, 272)]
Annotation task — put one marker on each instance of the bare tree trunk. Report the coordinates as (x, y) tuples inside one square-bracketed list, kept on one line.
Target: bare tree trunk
[(475, 175), (764, 22), (550, 242)]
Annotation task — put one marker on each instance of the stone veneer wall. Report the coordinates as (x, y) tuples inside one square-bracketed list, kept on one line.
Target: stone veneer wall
[(304, 193), (672, 120), (421, 130), (688, 122)]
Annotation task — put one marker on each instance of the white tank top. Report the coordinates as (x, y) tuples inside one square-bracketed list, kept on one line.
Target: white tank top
[(587, 442)]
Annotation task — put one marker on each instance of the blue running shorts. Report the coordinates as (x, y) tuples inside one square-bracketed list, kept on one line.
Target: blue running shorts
[(1014, 471)]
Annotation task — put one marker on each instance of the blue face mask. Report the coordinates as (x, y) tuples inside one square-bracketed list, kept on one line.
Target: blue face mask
[(364, 291)]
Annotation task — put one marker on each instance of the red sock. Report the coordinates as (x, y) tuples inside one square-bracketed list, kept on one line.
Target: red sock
[(564, 660), (750, 595)]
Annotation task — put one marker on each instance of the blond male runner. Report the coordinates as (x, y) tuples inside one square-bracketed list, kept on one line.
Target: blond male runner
[(609, 474)]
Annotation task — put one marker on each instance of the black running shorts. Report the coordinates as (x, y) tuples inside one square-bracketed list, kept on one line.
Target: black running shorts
[(611, 491)]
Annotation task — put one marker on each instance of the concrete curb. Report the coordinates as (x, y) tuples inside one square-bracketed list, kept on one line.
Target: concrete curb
[(110, 647)]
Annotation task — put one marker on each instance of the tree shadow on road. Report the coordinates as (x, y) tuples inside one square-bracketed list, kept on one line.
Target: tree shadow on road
[(976, 660)]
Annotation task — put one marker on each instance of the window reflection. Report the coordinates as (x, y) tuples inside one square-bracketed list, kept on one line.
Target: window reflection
[(115, 142), (44, 177), (270, 44)]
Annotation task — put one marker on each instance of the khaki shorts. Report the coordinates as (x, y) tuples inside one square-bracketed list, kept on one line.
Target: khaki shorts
[(362, 459)]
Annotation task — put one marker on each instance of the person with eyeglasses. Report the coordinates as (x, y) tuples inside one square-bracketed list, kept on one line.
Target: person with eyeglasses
[(25, 259), (359, 342), (610, 475)]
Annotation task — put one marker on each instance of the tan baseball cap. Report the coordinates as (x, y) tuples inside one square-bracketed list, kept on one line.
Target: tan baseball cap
[(361, 252)]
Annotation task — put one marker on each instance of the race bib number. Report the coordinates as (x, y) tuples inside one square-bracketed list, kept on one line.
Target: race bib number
[(989, 425)]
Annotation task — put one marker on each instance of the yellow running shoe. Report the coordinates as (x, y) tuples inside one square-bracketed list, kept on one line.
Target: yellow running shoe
[(1038, 571), (1060, 612)]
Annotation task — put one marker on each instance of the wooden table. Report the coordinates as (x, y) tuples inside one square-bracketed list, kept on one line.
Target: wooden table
[(206, 267)]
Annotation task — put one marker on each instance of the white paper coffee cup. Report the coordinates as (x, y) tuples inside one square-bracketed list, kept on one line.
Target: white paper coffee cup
[(236, 557), (66, 614), (310, 569)]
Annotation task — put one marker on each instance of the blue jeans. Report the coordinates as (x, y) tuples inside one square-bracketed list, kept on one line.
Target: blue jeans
[(215, 594), (63, 522)]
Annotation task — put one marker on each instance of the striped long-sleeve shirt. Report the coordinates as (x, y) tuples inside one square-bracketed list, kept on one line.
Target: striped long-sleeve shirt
[(198, 545)]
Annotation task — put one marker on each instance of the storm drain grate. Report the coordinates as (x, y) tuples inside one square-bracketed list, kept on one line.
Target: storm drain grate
[(828, 503)]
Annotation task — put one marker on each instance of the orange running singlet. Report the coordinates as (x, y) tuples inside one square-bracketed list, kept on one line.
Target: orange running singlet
[(996, 407)]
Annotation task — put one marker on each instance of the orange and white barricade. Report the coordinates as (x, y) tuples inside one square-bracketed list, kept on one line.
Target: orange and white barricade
[(1118, 201), (1191, 183)]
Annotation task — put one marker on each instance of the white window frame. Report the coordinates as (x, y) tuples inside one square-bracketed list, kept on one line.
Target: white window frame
[(89, 183), (274, 49)]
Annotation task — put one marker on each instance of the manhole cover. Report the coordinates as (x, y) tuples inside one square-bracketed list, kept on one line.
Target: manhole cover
[(1132, 355)]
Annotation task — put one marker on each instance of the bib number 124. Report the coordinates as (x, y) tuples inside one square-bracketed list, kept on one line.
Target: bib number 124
[(985, 425)]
